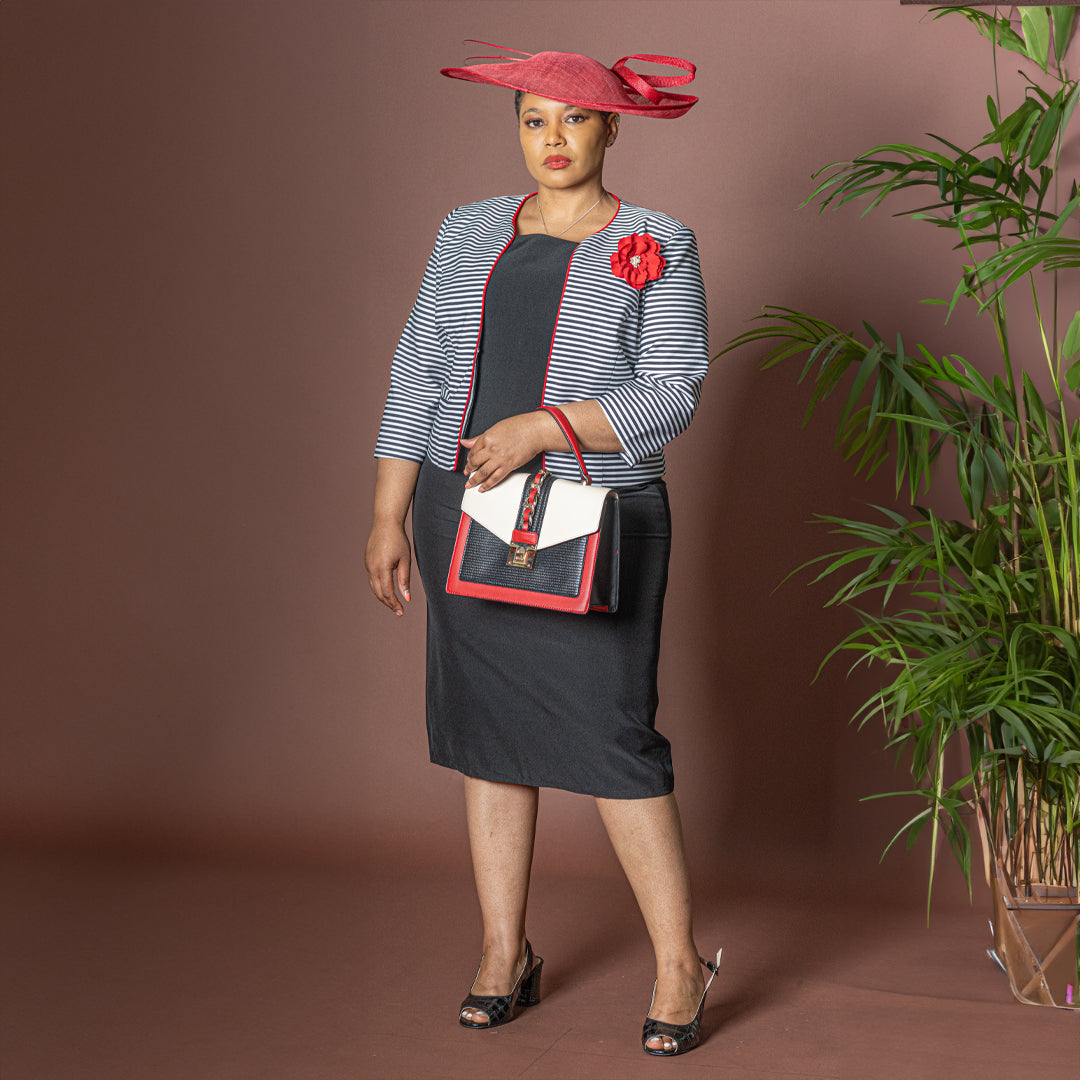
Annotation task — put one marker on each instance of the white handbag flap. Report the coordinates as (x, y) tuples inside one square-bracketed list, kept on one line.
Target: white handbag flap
[(572, 510), (496, 509)]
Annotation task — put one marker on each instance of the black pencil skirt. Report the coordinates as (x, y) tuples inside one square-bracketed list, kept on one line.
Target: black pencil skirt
[(526, 696)]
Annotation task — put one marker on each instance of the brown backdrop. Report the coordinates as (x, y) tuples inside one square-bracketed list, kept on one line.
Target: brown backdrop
[(215, 218)]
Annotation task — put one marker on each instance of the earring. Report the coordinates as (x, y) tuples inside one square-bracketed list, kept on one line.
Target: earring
[(611, 143)]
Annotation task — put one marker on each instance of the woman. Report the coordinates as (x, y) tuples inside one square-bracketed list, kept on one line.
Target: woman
[(565, 297)]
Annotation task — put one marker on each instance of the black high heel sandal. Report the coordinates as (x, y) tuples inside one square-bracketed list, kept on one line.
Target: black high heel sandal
[(684, 1036), (502, 1009)]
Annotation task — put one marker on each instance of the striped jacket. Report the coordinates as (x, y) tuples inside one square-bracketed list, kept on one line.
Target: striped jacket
[(641, 353)]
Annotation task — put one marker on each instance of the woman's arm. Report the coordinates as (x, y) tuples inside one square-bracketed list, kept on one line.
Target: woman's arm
[(509, 444), (671, 357), (418, 372), (416, 379), (388, 557)]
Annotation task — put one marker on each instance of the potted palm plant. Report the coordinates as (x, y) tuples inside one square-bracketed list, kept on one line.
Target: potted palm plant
[(974, 624)]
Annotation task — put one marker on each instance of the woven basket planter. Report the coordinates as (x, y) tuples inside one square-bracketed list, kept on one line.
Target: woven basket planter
[(1036, 926)]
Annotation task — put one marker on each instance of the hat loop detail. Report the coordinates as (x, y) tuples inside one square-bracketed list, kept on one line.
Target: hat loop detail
[(646, 85)]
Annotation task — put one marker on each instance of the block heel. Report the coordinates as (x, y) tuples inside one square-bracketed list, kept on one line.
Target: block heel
[(530, 988)]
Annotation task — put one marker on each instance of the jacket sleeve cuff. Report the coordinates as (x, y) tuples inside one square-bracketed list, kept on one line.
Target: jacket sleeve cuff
[(646, 414), (406, 423)]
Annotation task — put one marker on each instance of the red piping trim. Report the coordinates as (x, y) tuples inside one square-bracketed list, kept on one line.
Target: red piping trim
[(558, 314), (551, 344), (618, 207), (480, 330)]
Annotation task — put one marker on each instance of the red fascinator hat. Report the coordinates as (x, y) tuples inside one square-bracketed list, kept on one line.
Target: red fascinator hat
[(580, 80)]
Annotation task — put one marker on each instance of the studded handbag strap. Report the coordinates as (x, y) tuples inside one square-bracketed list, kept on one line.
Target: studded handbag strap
[(571, 438)]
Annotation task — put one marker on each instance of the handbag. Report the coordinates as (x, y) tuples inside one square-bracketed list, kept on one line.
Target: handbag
[(537, 540)]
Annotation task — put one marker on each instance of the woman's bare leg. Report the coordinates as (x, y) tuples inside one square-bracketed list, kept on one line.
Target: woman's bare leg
[(502, 831), (647, 837)]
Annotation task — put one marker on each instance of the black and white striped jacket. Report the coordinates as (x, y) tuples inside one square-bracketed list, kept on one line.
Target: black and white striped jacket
[(641, 353)]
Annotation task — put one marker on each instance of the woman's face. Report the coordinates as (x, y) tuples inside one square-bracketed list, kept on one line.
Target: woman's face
[(563, 144)]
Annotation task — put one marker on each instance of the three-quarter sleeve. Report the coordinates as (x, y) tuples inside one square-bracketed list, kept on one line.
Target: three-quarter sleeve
[(418, 372), (659, 401)]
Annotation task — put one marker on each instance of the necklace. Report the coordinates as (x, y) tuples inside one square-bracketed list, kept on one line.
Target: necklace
[(572, 223)]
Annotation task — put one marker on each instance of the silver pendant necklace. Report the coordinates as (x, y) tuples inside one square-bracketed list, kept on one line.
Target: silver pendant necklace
[(572, 223)]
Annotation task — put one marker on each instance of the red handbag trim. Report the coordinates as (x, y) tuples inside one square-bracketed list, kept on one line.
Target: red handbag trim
[(577, 605)]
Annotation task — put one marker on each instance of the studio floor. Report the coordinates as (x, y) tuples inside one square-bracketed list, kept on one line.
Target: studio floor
[(183, 969)]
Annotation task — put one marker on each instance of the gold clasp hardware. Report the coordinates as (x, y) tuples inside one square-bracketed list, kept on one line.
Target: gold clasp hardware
[(521, 555)]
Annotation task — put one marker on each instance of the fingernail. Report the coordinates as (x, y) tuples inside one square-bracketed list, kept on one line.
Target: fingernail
[(408, 595)]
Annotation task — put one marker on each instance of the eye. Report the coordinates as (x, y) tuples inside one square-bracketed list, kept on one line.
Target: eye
[(533, 122), (579, 117)]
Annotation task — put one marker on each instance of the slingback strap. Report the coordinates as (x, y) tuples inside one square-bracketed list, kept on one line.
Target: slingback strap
[(713, 967), (571, 438)]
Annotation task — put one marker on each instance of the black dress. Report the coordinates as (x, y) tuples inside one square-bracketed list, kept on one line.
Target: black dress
[(523, 695)]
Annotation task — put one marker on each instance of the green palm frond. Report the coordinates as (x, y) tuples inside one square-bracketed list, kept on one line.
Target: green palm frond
[(973, 626)]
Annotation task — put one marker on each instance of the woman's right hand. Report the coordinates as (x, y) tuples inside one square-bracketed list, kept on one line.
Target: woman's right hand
[(388, 559)]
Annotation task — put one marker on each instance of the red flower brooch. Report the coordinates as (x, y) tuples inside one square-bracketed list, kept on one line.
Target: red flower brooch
[(637, 260)]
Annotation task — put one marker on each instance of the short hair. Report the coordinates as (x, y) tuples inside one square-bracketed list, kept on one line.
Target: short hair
[(519, 94)]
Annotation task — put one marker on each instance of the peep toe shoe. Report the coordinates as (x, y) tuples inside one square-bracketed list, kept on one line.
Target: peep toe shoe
[(684, 1036), (502, 1009)]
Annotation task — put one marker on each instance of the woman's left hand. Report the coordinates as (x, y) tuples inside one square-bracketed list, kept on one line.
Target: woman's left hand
[(504, 447)]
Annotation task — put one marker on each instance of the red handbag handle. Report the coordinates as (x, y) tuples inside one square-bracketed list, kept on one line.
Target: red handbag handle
[(571, 438)]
